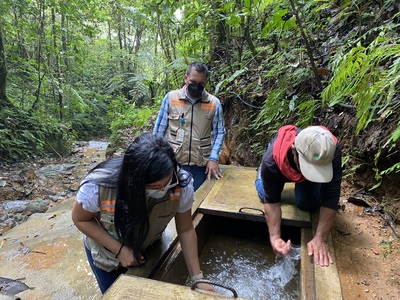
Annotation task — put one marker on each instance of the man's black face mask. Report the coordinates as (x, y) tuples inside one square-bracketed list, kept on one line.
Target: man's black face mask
[(195, 90)]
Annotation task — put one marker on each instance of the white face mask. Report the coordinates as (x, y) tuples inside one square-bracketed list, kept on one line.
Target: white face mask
[(156, 193), (160, 193)]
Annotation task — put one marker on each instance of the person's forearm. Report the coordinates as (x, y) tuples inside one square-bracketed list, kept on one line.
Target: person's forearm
[(273, 216), (218, 134), (216, 149), (87, 223), (161, 124), (93, 230), (188, 240), (326, 220)]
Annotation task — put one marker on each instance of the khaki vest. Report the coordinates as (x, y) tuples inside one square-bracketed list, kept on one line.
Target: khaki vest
[(160, 212), (195, 149)]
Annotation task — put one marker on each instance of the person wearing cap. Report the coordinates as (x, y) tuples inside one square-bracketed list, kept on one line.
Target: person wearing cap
[(312, 159)]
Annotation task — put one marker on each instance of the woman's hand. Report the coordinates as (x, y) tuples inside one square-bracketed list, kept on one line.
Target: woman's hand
[(127, 258), (206, 287)]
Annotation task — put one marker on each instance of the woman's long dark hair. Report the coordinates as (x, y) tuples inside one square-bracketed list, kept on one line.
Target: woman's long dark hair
[(148, 159)]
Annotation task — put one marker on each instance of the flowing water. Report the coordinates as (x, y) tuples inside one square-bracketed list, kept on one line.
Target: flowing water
[(251, 268)]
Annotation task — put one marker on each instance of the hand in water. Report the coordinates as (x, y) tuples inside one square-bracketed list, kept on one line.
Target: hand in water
[(280, 247)]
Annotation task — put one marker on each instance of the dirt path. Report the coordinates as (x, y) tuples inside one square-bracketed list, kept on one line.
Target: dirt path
[(367, 253)]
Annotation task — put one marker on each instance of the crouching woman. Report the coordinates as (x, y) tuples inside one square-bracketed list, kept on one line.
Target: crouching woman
[(124, 204)]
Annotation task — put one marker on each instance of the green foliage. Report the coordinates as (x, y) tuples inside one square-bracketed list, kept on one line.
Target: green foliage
[(380, 174), (387, 247), (132, 118), (22, 135), (395, 168), (306, 110), (395, 135), (224, 82), (277, 106), (360, 76), (278, 22), (140, 91), (126, 116), (99, 65)]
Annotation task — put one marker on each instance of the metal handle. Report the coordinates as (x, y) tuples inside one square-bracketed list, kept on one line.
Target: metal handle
[(257, 209), (194, 284)]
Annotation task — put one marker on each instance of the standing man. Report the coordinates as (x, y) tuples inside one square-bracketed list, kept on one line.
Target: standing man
[(192, 120), (312, 159)]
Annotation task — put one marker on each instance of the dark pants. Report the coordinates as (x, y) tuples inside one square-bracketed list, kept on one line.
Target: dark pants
[(104, 279), (307, 193), (198, 173)]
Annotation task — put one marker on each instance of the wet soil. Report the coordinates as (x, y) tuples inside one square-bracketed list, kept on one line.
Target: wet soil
[(367, 250)]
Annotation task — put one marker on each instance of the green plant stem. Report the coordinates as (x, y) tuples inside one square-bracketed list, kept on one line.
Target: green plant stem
[(308, 46)]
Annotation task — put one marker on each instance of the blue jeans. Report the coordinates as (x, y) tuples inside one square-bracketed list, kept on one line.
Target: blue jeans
[(307, 193), (104, 279), (198, 173)]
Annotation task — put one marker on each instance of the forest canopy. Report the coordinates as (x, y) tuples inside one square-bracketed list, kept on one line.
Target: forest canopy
[(74, 69)]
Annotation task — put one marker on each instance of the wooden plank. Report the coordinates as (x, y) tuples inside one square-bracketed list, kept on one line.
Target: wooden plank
[(307, 267), (235, 194), (330, 274), (131, 287)]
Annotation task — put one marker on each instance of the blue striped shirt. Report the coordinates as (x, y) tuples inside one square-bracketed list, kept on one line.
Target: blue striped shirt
[(218, 125)]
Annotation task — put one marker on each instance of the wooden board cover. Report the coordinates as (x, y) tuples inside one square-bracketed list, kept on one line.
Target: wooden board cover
[(131, 287), (236, 195)]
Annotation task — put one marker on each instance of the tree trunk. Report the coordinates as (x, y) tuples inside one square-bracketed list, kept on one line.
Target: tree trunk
[(39, 55), (163, 40), (64, 24), (4, 102), (219, 47), (58, 67), (18, 15), (310, 51)]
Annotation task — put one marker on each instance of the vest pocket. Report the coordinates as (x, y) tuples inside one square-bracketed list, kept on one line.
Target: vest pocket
[(175, 146), (102, 258), (173, 117), (205, 152), (173, 122), (107, 220)]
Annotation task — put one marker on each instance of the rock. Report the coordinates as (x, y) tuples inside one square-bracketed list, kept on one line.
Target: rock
[(37, 206), (23, 186), (11, 287), (54, 198), (49, 192)]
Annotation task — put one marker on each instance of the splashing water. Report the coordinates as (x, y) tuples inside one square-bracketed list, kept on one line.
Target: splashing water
[(251, 268), (284, 270)]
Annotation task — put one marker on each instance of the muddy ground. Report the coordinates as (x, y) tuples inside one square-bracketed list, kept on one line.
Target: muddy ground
[(367, 250)]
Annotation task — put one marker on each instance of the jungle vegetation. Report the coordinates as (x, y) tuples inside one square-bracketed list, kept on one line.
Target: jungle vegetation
[(71, 69)]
